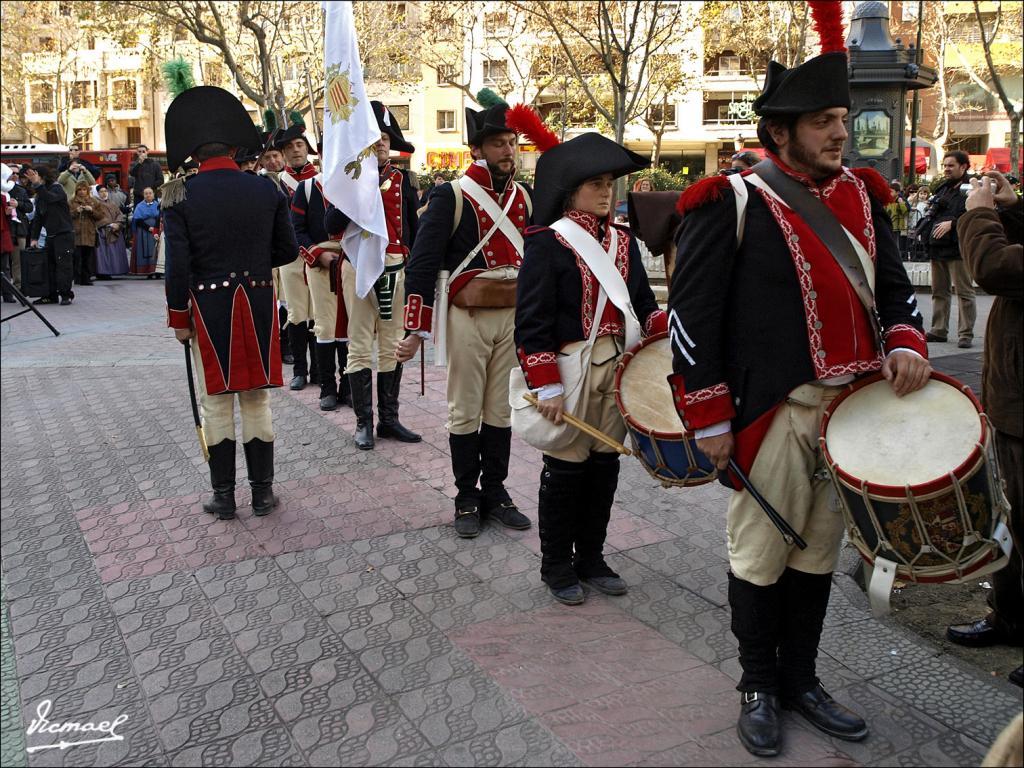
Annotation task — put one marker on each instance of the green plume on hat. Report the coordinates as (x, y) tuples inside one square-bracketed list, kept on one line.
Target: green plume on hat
[(295, 118), (487, 98), (177, 76), (269, 120)]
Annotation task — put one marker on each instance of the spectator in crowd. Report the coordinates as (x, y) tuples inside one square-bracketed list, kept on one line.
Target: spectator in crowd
[(86, 216), (111, 254), (19, 232), (115, 193), (990, 240), (8, 213), (72, 176), (145, 172), (899, 214), (741, 161), (938, 230), (53, 215), (643, 185), (145, 232), (74, 150)]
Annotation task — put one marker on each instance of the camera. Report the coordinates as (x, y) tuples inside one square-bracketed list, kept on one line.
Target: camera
[(965, 188)]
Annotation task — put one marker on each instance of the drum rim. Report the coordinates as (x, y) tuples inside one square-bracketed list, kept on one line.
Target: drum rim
[(896, 492), (620, 367), (930, 575)]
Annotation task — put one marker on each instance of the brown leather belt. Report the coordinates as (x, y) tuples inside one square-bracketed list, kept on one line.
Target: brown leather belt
[(479, 293)]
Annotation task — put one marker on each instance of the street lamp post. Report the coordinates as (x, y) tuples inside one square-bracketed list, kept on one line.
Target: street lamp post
[(881, 73)]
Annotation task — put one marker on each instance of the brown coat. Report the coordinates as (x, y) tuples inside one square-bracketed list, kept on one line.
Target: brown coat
[(990, 244), (87, 222)]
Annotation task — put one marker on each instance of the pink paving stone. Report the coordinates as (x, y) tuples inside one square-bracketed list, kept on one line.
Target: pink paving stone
[(626, 531), (619, 737), (140, 568), (116, 515), (800, 748)]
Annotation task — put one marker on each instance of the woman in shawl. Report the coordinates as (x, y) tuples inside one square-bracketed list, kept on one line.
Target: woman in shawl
[(111, 254), (86, 215), (146, 230)]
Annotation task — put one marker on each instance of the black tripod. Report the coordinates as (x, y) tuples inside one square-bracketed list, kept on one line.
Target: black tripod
[(23, 300)]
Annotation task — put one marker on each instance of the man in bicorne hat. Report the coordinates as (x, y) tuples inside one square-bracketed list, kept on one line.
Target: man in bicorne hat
[(766, 331), (378, 314), (225, 232), (471, 234)]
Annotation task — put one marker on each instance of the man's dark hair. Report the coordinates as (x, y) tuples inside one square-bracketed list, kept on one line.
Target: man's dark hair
[(47, 173), (961, 157), (748, 158), (74, 146), (212, 149), (142, 146), (779, 121)]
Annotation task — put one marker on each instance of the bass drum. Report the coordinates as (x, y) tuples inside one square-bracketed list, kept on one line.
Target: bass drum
[(917, 479), (644, 397)]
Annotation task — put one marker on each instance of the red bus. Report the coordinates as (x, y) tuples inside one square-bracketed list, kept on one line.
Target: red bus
[(114, 162)]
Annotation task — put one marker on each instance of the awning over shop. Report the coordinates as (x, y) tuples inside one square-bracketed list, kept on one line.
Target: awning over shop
[(999, 159)]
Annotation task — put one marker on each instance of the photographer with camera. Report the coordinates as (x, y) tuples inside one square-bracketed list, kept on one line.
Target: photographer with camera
[(73, 175), (74, 156), (938, 231)]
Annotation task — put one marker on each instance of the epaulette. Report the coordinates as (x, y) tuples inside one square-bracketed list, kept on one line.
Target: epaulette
[(703, 192), (172, 192), (274, 176), (535, 229), (876, 184)]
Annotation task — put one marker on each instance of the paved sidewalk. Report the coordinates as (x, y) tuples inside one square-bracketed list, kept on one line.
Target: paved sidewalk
[(351, 626)]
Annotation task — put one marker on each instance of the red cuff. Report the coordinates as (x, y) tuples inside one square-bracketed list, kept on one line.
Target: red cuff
[(418, 316), (906, 336), (657, 322), (311, 254), (179, 319), (539, 368), (703, 407)]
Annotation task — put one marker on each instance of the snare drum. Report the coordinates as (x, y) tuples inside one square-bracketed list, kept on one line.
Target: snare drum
[(644, 398), (916, 478)]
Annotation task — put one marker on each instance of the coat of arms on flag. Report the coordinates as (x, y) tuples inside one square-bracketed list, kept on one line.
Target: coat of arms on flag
[(339, 94)]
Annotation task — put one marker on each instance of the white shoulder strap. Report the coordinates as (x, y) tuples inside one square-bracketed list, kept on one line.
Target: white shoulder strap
[(480, 246), (601, 263), (479, 195), (457, 218), (739, 186)]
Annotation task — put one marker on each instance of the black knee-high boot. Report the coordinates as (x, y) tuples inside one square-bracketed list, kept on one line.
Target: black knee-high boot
[(222, 480), (495, 447), (362, 404), (314, 374), (757, 625), (286, 346), (389, 384), (259, 458), (325, 369), (300, 368), (600, 481), (465, 451), (344, 387), (561, 489)]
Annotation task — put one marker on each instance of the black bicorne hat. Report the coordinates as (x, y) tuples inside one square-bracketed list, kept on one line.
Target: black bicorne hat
[(486, 122), (561, 169), (293, 131), (203, 115), (389, 125), (819, 83)]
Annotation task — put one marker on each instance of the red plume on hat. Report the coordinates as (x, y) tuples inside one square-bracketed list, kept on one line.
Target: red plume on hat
[(526, 122), (828, 23)]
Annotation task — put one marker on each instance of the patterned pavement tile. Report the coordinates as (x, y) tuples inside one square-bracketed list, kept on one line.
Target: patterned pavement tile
[(800, 748), (288, 643), (626, 531), (160, 627), (427, 574), (64, 679), (12, 736), (335, 594), (706, 635), (64, 646), (200, 662), (415, 663), (242, 576), (320, 562), (369, 733), (369, 626), (699, 571), (872, 648), (195, 716), (949, 750), (64, 613), (270, 605), (328, 684), (498, 559), (526, 744), (465, 604), (459, 709), (272, 747)]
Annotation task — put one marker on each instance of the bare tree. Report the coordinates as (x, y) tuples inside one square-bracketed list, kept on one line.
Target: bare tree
[(758, 32), (988, 37)]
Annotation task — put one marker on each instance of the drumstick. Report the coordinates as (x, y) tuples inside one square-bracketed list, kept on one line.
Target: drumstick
[(790, 535), (582, 426)]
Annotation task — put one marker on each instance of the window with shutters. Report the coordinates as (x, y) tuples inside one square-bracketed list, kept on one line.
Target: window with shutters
[(134, 135), (42, 97), (124, 94), (83, 94), (495, 71), (446, 120)]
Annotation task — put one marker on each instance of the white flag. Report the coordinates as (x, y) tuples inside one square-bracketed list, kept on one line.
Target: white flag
[(350, 175)]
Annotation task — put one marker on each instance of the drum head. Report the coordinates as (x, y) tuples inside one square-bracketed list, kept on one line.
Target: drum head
[(875, 436), (644, 391)]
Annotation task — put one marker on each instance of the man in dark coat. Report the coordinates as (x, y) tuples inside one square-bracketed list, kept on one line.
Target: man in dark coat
[(225, 232), (145, 172), (990, 241), (74, 152), (766, 331), (461, 241), (53, 213)]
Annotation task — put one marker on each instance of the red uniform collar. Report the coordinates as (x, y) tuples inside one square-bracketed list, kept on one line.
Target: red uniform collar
[(481, 174), (593, 224), (218, 164), (308, 171), (803, 178)]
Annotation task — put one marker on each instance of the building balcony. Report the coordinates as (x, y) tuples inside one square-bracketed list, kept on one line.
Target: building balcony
[(733, 79)]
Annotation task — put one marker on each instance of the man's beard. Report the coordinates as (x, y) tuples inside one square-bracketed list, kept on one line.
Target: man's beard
[(818, 169), (498, 175)]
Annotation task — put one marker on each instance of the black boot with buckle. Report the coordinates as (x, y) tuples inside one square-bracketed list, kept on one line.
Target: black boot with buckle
[(300, 369), (465, 451), (325, 370), (600, 481), (222, 480), (805, 600), (757, 623), (495, 445), (259, 458), (561, 489), (362, 404), (388, 386)]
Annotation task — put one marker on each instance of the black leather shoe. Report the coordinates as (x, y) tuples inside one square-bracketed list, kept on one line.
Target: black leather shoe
[(760, 725), (935, 338), (222, 505), (329, 403), (508, 514), (979, 634), (828, 715), (396, 431), (467, 522), (609, 585), (222, 480), (571, 595), (297, 383), (1017, 676)]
